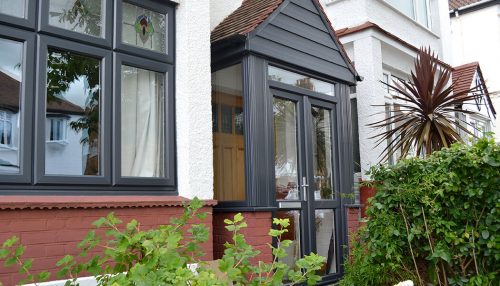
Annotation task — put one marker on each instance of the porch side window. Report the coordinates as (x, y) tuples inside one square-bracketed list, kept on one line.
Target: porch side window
[(228, 134)]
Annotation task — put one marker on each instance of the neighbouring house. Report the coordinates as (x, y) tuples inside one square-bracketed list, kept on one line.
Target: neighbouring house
[(382, 37), (475, 35), (135, 106), (469, 77)]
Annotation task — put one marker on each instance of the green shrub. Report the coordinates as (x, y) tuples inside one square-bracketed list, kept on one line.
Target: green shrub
[(434, 220), (161, 256)]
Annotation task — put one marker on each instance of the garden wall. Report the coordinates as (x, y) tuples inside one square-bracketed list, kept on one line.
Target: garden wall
[(51, 227)]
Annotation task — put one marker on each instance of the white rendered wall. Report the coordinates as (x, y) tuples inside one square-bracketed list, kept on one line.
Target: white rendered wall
[(220, 9), (193, 100), (368, 59), (476, 37), (350, 13), (65, 158)]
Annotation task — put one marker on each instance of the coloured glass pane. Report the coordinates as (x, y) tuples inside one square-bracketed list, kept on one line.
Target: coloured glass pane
[(144, 28)]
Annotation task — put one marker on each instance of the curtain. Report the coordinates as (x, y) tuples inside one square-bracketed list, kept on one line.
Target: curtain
[(142, 123)]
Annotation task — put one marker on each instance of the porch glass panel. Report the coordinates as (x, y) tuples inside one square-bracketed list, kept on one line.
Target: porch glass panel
[(300, 80), (285, 146), (325, 240), (228, 134)]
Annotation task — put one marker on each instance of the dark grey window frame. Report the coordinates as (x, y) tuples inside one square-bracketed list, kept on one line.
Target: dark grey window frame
[(26, 103), (169, 154), (107, 24), (32, 180), (44, 42), (164, 7), (29, 18)]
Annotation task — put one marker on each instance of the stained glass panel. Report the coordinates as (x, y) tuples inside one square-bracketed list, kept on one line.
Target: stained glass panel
[(144, 28)]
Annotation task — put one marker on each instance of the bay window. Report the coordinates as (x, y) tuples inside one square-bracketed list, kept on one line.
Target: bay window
[(418, 10), (101, 114)]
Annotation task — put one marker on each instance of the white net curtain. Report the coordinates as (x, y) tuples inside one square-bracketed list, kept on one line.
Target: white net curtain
[(142, 120)]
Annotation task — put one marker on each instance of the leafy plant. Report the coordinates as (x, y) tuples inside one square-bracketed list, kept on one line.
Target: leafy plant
[(163, 255), (426, 121), (433, 220)]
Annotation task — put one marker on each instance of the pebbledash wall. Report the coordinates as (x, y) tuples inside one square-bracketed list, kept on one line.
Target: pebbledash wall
[(51, 226)]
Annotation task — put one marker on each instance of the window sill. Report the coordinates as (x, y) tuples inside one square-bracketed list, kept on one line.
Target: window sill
[(92, 202), (7, 147), (58, 142)]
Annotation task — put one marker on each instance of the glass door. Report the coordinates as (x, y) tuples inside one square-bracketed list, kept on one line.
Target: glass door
[(306, 180)]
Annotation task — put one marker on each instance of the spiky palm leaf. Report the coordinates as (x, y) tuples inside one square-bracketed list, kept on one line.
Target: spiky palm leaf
[(426, 121)]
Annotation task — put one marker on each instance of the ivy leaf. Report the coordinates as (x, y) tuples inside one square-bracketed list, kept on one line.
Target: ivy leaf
[(485, 234)]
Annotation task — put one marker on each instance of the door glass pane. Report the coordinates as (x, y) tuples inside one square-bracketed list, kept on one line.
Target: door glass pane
[(325, 240), (142, 123), (322, 154), (285, 149), (73, 124), (82, 16), (228, 134), (11, 65), (144, 28), (16, 8), (300, 80), (293, 234)]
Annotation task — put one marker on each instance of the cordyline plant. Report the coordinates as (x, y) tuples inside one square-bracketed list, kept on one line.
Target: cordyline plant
[(426, 121)]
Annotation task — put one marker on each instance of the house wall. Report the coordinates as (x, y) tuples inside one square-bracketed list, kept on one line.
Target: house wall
[(220, 9), (50, 234), (193, 100), (476, 37), (350, 13), (65, 157), (374, 52)]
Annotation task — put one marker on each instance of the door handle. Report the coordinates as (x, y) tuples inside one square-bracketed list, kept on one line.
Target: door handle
[(304, 187)]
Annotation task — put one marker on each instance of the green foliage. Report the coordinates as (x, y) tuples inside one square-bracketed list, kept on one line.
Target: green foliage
[(11, 252), (163, 255), (438, 215)]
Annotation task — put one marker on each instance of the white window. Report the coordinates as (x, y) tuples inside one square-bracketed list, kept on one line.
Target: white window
[(5, 128), (57, 131), (418, 10)]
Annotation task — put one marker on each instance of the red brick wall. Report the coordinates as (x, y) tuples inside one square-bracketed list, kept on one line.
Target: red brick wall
[(49, 234), (256, 233), (353, 220)]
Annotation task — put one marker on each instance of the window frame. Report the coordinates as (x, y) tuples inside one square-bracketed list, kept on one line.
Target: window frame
[(29, 18), (107, 31), (26, 104), (31, 179), (44, 42), (169, 157), (166, 8)]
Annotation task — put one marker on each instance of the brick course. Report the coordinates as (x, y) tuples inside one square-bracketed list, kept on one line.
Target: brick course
[(256, 234), (49, 234)]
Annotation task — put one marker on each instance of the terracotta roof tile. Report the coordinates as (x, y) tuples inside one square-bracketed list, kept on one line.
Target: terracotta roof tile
[(245, 19), (251, 14), (463, 76), (9, 92), (455, 4), (9, 98)]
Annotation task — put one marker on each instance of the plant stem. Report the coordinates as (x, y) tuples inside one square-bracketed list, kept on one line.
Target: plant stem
[(409, 243), (430, 243)]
